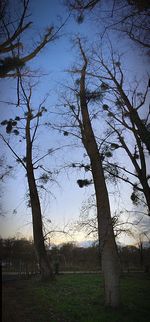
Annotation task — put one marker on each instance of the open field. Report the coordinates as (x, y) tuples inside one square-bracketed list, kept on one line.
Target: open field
[(75, 298)]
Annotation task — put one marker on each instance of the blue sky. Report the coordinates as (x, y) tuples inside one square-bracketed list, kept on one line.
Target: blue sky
[(63, 205)]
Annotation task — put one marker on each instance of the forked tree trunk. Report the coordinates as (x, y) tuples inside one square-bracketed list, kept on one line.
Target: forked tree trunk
[(143, 131), (109, 254), (43, 260)]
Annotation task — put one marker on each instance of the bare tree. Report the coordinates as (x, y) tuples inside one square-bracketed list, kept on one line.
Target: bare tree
[(13, 47), (82, 122), (26, 127), (128, 17), (124, 109)]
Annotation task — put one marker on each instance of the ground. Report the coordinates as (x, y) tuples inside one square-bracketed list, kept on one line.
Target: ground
[(75, 298)]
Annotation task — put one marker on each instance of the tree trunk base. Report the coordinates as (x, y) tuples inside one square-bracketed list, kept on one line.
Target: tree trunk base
[(46, 271), (112, 291)]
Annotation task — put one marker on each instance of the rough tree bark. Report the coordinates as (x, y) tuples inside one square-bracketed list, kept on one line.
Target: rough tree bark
[(43, 260), (109, 254)]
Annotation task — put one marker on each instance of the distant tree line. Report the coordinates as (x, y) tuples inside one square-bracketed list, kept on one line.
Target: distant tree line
[(74, 258), (134, 258), (18, 255)]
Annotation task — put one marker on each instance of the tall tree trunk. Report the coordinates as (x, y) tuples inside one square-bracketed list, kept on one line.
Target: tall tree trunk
[(142, 130), (108, 249), (109, 254), (146, 190), (43, 260)]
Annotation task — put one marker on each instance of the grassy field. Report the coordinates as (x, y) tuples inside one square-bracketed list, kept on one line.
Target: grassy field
[(75, 298)]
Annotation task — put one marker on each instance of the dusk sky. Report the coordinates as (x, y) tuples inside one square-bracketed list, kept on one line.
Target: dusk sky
[(63, 204)]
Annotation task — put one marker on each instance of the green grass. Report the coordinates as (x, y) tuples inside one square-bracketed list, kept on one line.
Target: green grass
[(75, 298)]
